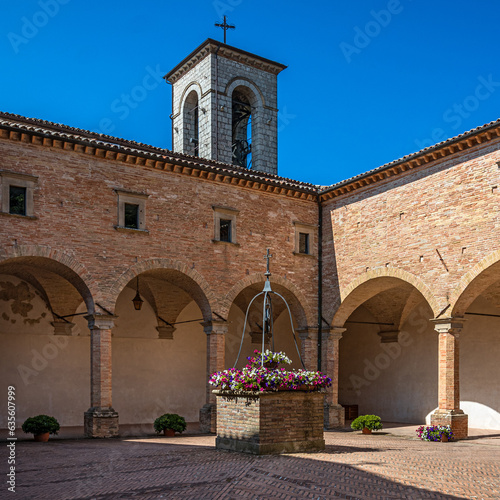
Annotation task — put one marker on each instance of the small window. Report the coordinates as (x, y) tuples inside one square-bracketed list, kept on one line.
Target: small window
[(17, 193), (225, 230), (131, 211), (305, 235), (303, 243), (17, 200), (225, 224), (131, 216)]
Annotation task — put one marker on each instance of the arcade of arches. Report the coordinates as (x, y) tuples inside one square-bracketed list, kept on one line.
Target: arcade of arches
[(397, 292)]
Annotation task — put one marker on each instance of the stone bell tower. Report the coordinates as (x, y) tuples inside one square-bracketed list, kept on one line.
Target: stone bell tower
[(224, 103)]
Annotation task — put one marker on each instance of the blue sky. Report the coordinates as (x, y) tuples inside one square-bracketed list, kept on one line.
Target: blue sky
[(367, 81)]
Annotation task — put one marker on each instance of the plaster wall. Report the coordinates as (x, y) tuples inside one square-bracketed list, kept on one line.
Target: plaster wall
[(153, 376), (397, 381), (479, 367), (51, 373)]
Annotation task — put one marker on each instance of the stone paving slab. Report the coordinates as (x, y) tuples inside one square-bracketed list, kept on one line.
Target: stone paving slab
[(353, 466)]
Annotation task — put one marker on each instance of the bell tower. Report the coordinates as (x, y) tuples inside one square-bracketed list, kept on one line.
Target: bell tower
[(224, 106)]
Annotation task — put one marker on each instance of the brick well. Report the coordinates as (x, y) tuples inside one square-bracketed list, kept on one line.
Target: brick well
[(270, 422)]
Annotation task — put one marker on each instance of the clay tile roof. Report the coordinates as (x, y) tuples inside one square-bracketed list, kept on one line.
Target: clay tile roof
[(64, 132), (422, 152)]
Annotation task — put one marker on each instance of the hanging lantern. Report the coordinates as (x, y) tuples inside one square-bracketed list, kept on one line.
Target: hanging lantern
[(137, 299)]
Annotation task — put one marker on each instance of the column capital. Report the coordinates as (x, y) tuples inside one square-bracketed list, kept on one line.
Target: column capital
[(165, 331), (332, 332), (101, 321), (62, 327), (452, 326), (309, 332), (387, 337), (215, 326)]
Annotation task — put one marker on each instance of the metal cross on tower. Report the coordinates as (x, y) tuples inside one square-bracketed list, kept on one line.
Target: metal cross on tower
[(225, 27)]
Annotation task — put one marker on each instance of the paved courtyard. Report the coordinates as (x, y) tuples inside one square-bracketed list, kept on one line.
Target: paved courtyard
[(391, 465)]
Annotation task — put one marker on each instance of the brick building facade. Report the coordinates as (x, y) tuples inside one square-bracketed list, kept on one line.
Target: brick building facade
[(392, 276)]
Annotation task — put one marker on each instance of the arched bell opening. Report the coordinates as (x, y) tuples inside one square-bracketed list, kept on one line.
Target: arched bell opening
[(191, 124), (243, 112)]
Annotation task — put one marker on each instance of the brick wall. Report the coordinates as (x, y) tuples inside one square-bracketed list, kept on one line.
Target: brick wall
[(271, 422)]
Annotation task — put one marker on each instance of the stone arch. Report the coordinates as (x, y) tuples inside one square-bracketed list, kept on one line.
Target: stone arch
[(201, 292), (474, 282), (354, 292), (240, 81), (299, 308), (56, 261), (192, 86)]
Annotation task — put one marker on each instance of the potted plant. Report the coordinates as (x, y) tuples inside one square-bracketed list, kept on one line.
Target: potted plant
[(41, 427), (170, 423), (435, 433), (367, 424)]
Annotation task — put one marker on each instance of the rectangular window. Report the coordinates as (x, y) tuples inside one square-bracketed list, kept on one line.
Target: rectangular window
[(131, 211), (304, 238), (303, 243), (16, 193), (17, 200), (225, 230), (131, 216)]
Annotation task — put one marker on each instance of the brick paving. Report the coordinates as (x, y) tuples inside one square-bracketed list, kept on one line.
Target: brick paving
[(353, 466)]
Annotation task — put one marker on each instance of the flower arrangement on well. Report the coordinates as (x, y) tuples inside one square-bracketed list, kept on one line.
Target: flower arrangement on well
[(254, 377), (434, 432)]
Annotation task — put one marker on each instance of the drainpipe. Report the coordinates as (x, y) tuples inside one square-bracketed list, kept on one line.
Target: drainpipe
[(217, 104), (320, 280)]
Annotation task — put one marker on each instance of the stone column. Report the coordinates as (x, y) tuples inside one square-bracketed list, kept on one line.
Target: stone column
[(101, 420), (449, 412), (309, 347), (334, 412), (216, 331)]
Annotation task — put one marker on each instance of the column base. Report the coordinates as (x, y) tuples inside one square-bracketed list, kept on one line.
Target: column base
[(208, 418), (101, 423), (456, 419), (334, 416)]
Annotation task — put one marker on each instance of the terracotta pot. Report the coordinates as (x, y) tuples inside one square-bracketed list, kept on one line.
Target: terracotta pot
[(42, 438), (444, 438), (169, 432), (366, 430)]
